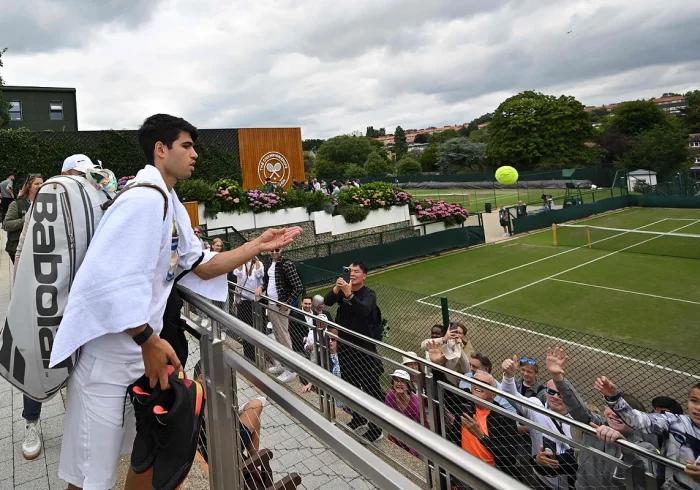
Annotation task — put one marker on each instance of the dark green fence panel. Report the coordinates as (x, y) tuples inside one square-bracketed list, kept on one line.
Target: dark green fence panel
[(476, 235), (325, 269), (547, 218), (660, 201)]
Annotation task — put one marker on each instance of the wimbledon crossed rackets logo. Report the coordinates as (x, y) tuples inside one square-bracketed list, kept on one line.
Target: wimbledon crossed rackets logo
[(273, 165)]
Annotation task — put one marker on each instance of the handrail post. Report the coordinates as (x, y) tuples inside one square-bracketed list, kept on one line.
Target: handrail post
[(222, 443)]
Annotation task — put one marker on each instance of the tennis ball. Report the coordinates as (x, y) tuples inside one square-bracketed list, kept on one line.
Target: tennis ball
[(506, 175)]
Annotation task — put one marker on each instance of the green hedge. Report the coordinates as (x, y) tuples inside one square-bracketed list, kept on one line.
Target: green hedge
[(25, 152)]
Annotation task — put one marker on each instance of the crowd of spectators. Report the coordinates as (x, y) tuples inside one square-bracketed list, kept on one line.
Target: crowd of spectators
[(522, 428)]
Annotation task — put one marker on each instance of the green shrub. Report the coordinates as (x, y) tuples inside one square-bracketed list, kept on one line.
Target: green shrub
[(353, 213), (230, 196), (195, 190)]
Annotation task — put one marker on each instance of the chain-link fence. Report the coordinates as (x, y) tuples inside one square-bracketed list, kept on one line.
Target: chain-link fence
[(644, 372), (530, 443)]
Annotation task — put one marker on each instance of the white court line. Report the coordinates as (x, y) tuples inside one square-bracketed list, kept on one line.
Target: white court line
[(577, 267), (534, 262), (563, 341), (627, 291)]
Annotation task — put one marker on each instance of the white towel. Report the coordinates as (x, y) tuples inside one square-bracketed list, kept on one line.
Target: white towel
[(114, 287)]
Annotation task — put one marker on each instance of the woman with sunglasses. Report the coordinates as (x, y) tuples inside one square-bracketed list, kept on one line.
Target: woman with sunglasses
[(682, 432)]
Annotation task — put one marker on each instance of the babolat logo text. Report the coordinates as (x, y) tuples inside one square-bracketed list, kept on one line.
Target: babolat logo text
[(46, 262)]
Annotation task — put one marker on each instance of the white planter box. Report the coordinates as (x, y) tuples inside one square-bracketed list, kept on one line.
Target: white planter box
[(323, 222), (379, 217), (282, 217), (428, 228), (243, 221)]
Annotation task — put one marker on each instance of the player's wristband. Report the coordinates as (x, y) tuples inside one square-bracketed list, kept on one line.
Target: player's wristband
[(143, 337)]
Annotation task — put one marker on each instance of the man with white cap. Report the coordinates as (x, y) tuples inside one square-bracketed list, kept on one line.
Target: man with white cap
[(77, 164)]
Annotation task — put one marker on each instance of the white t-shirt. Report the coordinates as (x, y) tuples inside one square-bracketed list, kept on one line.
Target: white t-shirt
[(251, 281), (271, 283), (120, 347)]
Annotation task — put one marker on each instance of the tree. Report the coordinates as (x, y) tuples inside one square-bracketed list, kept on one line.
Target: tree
[(420, 138), (400, 146), (634, 117), (326, 169), (480, 136), (308, 161), (473, 126), (691, 114), (343, 150), (311, 144), (408, 165), (4, 106), (443, 136), (377, 164), (354, 170), (533, 130), (429, 159), (464, 131), (615, 143), (488, 117), (663, 149), (382, 132), (461, 155)]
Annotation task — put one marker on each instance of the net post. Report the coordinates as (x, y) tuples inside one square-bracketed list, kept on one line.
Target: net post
[(554, 234), (588, 235)]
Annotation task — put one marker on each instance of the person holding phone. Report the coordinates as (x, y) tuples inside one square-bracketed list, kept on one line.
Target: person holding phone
[(484, 433), (356, 309)]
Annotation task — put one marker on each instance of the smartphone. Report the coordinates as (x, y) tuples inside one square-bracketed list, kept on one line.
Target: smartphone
[(549, 445), (346, 274), (469, 408)]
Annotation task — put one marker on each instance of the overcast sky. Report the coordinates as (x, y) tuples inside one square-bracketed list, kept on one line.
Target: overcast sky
[(337, 66)]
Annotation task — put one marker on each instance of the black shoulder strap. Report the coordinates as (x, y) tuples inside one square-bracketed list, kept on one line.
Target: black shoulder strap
[(105, 205), (194, 266)]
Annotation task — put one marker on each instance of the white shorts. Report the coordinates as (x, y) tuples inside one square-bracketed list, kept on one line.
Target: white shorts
[(99, 424)]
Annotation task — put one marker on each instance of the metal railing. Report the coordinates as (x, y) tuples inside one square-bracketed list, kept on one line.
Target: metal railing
[(219, 366), (436, 407)]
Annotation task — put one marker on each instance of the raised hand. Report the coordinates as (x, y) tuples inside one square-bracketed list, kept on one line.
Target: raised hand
[(556, 360), (605, 386), (275, 238), (346, 287), (607, 434), (510, 366), (434, 349)]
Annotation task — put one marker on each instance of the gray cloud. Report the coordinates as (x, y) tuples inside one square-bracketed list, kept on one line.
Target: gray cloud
[(337, 67), (30, 26)]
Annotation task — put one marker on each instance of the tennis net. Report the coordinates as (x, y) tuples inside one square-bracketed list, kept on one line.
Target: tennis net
[(671, 244)]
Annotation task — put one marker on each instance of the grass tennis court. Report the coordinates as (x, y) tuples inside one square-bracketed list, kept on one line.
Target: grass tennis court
[(474, 199), (639, 289)]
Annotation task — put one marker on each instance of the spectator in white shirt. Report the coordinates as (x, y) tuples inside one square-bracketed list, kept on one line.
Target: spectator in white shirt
[(249, 276)]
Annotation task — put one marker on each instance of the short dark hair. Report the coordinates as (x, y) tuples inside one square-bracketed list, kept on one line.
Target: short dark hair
[(665, 402), (164, 128), (485, 362), (361, 265), (307, 297)]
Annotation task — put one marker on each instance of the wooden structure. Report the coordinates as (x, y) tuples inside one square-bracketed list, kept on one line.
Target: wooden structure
[(270, 152)]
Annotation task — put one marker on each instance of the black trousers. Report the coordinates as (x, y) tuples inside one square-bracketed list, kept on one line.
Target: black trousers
[(244, 312), (362, 371)]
